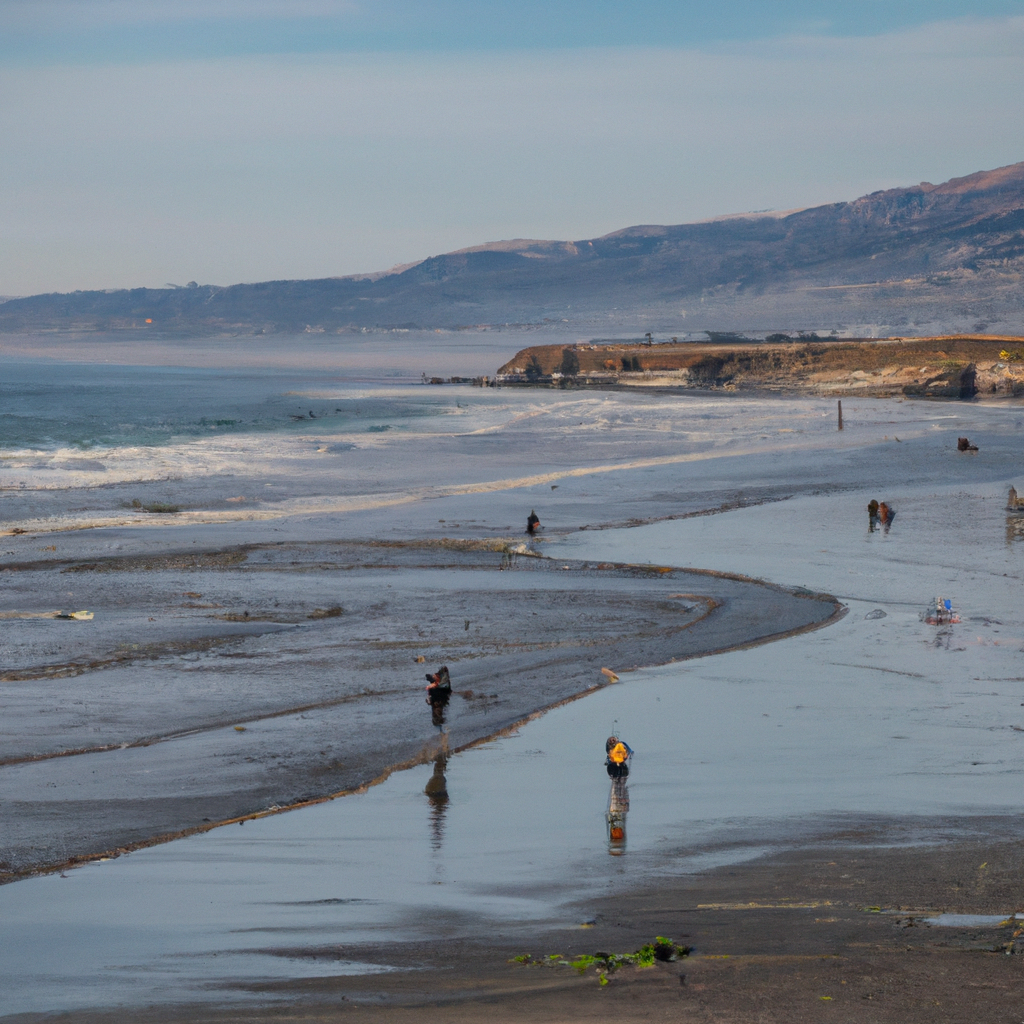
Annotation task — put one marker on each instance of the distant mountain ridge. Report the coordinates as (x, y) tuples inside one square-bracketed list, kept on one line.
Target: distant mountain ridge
[(919, 255)]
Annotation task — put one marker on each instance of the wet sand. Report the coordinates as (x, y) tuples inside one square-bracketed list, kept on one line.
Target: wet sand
[(220, 685), (838, 932), (771, 941), (880, 749)]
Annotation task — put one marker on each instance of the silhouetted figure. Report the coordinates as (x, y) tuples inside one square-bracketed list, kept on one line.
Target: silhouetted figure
[(872, 515), (532, 522), (964, 445), (439, 692)]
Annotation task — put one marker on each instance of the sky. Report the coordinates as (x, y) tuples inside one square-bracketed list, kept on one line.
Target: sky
[(148, 142)]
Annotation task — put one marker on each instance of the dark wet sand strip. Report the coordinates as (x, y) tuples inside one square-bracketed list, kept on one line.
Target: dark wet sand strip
[(835, 930), (208, 732)]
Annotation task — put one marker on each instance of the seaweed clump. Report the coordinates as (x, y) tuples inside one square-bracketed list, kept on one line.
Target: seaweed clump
[(661, 949)]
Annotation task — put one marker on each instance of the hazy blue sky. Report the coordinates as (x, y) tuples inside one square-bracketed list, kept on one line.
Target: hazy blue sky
[(147, 141)]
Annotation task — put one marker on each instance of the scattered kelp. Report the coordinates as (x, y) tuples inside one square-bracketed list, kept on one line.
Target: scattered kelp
[(661, 949)]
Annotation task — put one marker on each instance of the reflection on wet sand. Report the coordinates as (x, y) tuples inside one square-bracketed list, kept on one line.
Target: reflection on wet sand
[(437, 793), (618, 808), (438, 703)]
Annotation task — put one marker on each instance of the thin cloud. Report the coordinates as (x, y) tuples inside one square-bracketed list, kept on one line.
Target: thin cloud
[(283, 167)]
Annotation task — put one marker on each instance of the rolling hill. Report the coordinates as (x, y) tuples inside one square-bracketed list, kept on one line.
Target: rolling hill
[(926, 259)]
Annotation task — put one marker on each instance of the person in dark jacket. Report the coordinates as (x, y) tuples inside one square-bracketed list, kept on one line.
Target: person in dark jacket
[(439, 692)]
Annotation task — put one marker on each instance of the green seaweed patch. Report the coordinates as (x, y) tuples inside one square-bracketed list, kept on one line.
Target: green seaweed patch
[(661, 949)]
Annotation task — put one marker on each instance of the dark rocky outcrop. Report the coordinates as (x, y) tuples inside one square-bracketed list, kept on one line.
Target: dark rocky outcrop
[(954, 382)]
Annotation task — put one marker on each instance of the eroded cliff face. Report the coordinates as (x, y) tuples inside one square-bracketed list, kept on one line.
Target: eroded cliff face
[(958, 367)]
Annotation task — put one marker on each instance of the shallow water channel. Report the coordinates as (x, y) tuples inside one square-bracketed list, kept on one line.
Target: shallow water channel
[(900, 731)]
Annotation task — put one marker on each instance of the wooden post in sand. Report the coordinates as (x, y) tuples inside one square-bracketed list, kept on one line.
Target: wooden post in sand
[(840, 414)]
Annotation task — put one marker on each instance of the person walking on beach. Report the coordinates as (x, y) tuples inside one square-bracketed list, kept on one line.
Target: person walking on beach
[(532, 522), (617, 755)]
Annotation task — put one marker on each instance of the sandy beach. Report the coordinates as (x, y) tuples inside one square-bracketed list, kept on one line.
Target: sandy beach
[(835, 933), (313, 651), (511, 512), (800, 810)]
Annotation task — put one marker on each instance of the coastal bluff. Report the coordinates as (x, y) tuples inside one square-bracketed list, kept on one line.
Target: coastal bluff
[(961, 366)]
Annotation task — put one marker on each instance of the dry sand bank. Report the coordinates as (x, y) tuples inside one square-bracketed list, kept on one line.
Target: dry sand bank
[(214, 686)]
